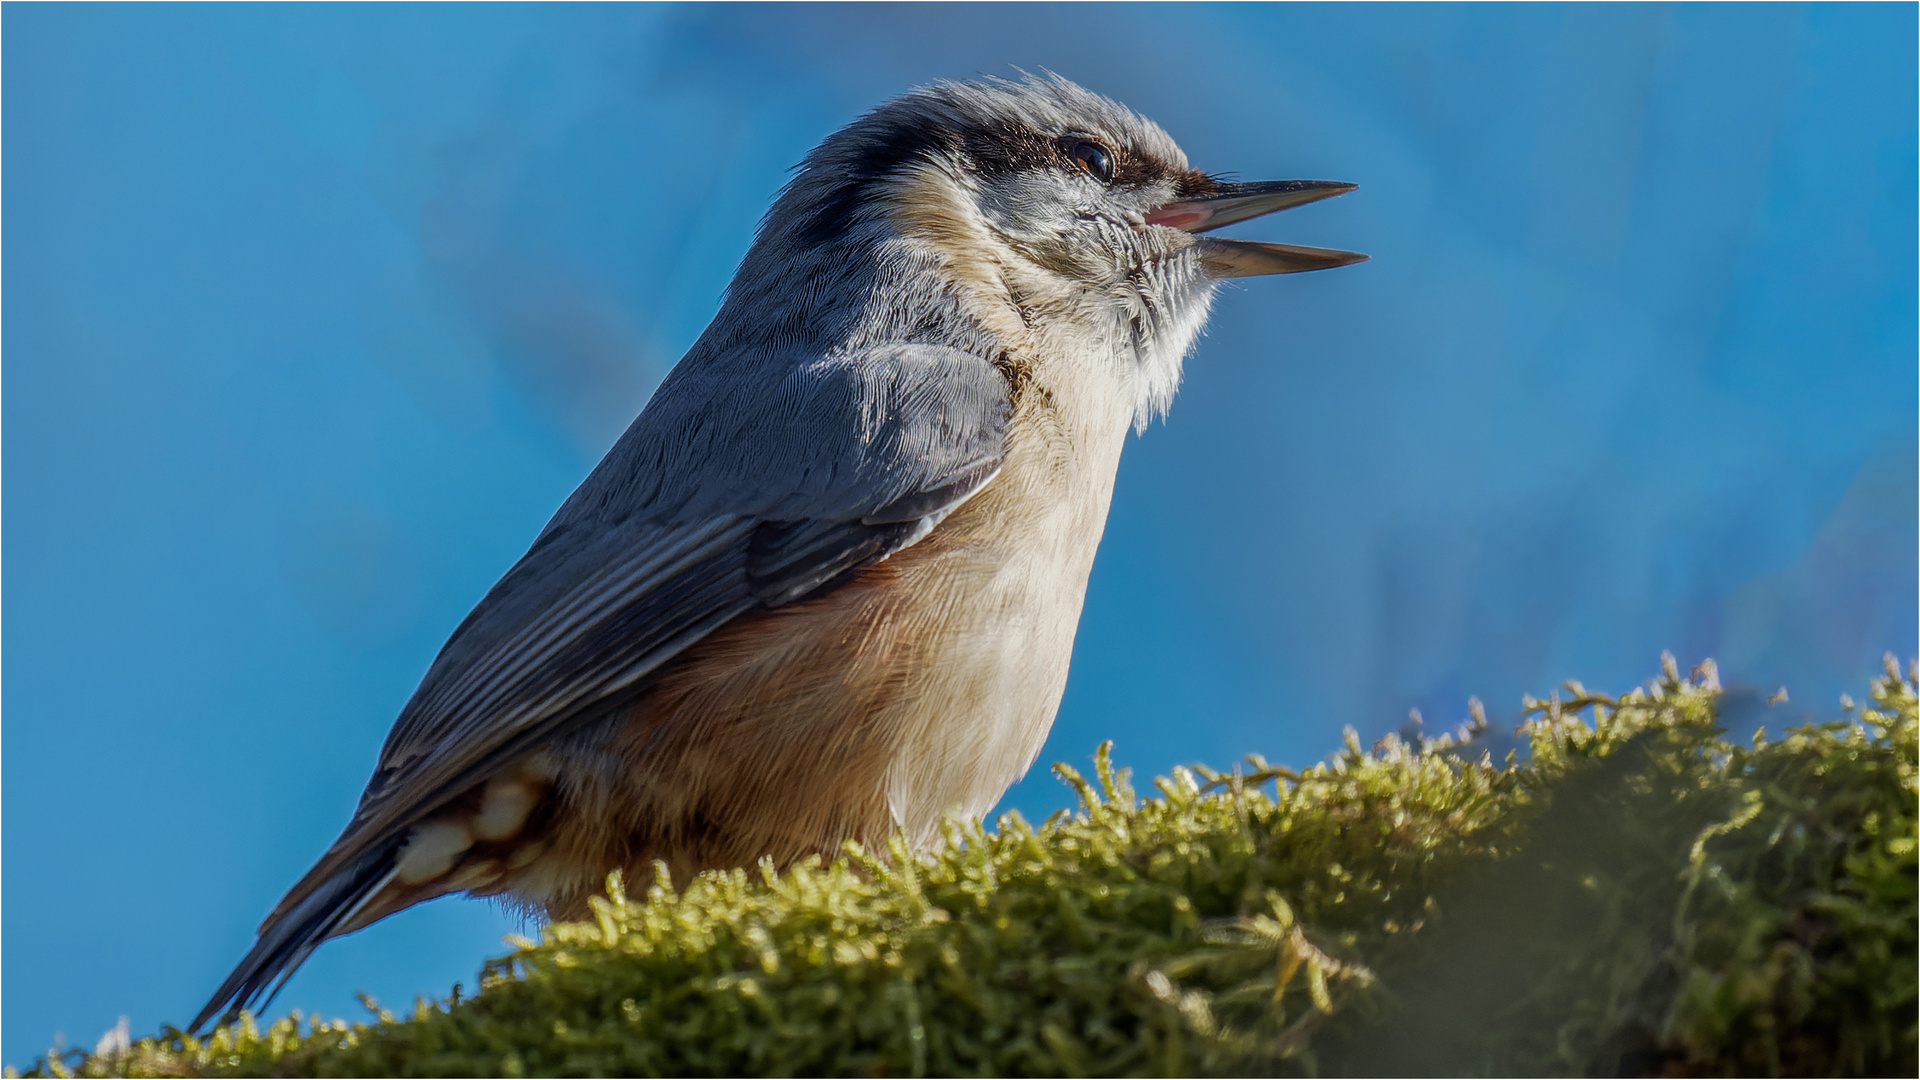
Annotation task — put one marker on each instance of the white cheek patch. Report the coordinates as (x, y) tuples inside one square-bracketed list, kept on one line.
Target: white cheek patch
[(1033, 202), (1050, 218), (431, 850)]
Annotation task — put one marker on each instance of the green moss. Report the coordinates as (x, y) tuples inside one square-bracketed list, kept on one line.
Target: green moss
[(1638, 895)]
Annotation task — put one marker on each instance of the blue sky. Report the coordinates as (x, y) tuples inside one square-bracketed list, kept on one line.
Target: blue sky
[(313, 314)]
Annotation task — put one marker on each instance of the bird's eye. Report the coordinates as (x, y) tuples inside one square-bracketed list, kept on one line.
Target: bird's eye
[(1094, 158)]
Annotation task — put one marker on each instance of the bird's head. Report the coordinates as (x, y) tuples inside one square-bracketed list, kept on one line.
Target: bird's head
[(1048, 211)]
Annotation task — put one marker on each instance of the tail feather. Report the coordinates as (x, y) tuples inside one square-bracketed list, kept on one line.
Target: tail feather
[(286, 942)]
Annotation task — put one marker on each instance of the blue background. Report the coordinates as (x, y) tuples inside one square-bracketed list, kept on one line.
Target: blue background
[(313, 314)]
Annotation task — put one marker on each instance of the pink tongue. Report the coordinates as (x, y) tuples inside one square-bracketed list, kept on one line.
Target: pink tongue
[(1177, 216)]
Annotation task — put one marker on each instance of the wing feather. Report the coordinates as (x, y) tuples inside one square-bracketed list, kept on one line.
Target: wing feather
[(748, 481), (729, 492)]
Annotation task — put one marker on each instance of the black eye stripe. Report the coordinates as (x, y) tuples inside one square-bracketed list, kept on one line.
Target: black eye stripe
[(989, 149)]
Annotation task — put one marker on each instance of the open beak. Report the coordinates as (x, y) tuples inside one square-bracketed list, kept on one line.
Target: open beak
[(1229, 203)]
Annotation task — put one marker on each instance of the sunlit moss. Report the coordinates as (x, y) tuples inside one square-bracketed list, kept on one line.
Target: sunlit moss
[(1638, 894)]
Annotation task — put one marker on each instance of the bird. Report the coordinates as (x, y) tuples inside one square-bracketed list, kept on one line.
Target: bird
[(825, 586)]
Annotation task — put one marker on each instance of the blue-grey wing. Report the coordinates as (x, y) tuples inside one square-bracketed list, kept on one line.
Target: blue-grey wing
[(748, 481), (745, 483)]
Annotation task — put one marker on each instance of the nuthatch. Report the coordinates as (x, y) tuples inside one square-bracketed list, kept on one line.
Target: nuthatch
[(825, 586)]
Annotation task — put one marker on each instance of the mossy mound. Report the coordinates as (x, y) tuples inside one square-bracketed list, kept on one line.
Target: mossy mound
[(1637, 895)]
